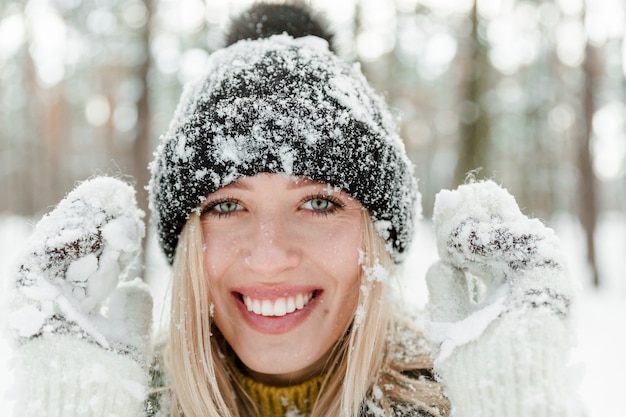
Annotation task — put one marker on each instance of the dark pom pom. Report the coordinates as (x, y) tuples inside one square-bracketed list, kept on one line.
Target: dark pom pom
[(263, 20)]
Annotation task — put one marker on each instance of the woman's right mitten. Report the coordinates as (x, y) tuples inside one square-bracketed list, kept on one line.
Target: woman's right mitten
[(82, 335)]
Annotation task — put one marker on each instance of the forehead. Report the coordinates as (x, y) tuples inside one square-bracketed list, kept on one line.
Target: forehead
[(270, 181)]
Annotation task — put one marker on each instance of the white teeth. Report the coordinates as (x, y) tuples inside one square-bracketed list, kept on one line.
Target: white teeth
[(299, 301), (267, 308), (256, 306), (278, 307)]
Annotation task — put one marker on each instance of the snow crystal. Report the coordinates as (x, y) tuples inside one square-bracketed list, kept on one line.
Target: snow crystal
[(182, 152), (311, 137), (365, 290), (287, 156), (480, 200), (81, 269), (359, 315), (123, 235), (330, 190), (228, 149), (201, 173), (293, 411), (383, 228), (374, 409), (65, 237), (28, 320), (377, 393), (377, 273)]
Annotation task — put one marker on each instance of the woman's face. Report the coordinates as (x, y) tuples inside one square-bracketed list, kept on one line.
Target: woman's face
[(282, 260)]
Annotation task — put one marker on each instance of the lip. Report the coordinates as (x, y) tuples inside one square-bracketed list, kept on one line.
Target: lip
[(270, 324)]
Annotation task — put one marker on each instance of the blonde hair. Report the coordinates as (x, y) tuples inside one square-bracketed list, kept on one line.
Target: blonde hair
[(202, 377)]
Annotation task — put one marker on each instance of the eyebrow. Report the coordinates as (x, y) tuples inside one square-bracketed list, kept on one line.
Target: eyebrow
[(302, 182)]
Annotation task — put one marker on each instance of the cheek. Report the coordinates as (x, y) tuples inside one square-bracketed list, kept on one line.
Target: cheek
[(338, 254), (341, 249), (346, 252), (219, 252)]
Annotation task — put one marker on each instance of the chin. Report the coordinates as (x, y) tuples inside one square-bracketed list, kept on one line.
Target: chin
[(278, 366)]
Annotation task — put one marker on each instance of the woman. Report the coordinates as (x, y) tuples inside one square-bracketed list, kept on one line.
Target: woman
[(284, 200)]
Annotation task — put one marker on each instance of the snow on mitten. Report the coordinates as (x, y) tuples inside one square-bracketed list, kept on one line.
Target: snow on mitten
[(82, 334), (499, 307)]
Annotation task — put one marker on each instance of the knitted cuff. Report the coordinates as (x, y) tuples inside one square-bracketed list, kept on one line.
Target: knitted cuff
[(516, 368), (63, 376)]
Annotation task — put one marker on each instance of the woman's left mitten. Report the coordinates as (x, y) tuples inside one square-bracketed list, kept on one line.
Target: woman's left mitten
[(500, 306), (81, 324)]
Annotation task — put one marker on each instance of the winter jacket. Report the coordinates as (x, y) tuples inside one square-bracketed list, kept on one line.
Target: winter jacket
[(296, 400)]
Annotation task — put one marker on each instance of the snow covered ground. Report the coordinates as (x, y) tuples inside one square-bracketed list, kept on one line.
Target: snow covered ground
[(600, 315)]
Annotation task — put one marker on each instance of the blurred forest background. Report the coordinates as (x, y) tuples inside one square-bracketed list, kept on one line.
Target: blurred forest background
[(530, 93)]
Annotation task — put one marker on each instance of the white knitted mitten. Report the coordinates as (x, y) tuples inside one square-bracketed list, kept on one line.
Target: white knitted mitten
[(82, 335), (499, 307)]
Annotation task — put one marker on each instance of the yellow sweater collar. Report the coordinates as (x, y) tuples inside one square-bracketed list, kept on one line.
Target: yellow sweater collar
[(275, 401)]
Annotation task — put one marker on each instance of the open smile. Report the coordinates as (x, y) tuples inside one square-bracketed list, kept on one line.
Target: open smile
[(278, 307), (270, 312)]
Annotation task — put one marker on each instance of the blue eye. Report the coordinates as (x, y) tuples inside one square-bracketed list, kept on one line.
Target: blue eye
[(221, 208), (227, 207), (318, 204)]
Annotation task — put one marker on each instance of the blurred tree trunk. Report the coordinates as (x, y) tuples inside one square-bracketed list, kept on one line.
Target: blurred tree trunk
[(475, 139), (141, 151), (53, 147), (588, 204), (535, 164), (27, 183)]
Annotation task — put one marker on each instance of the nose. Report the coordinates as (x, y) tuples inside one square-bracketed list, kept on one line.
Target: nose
[(274, 247)]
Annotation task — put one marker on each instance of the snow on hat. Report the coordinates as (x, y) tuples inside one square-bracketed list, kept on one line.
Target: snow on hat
[(283, 105)]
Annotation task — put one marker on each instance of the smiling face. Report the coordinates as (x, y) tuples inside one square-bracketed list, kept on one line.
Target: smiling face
[(282, 261)]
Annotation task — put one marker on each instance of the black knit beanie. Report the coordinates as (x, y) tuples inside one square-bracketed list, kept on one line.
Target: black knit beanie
[(283, 105)]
